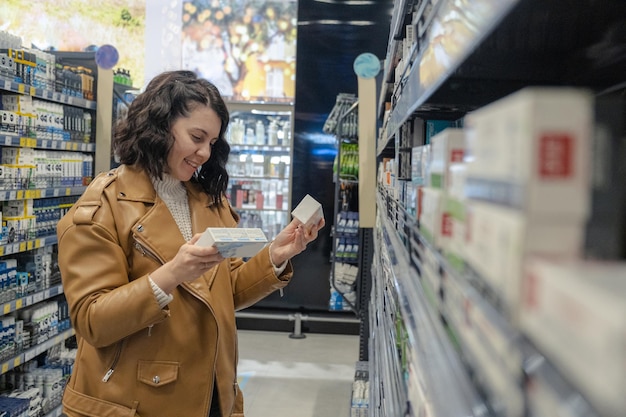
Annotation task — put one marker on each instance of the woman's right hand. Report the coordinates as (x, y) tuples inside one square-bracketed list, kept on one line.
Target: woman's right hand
[(190, 262)]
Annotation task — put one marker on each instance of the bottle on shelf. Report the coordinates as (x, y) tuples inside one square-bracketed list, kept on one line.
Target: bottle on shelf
[(259, 132), (272, 133)]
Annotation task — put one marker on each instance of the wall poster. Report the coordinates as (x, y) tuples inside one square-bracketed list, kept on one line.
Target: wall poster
[(247, 48)]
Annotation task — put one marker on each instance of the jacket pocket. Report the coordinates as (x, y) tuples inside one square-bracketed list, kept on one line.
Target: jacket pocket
[(76, 404), (157, 373)]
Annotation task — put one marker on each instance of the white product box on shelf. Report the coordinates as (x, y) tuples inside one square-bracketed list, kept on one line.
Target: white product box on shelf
[(419, 164), (574, 312), (453, 246), (499, 239), (457, 178), (430, 220), (447, 147), (18, 156), (309, 211), (234, 242), (532, 150)]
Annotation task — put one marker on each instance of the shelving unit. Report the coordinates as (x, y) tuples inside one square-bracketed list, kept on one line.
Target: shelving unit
[(50, 193), (260, 165), (343, 124), (442, 342)]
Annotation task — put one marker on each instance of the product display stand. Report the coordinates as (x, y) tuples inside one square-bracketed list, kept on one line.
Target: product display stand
[(346, 247)]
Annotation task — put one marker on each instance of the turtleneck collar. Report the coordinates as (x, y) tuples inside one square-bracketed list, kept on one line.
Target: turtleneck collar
[(169, 188)]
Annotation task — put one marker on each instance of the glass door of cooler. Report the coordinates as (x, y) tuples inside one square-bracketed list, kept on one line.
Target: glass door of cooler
[(260, 165)]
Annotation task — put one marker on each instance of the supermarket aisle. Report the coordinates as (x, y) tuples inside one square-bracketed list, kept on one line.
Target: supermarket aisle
[(283, 377)]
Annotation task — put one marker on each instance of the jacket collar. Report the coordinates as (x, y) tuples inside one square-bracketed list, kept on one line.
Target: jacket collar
[(135, 184)]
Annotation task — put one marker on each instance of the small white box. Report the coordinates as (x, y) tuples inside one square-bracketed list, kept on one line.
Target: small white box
[(431, 219), (532, 150), (499, 240), (234, 242), (309, 211), (447, 147)]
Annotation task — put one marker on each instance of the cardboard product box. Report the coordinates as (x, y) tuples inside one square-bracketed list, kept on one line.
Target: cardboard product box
[(432, 127), (417, 160), (234, 242), (574, 312), (18, 156), (430, 220), (454, 246), (500, 239), (447, 147), (17, 208), (457, 178), (9, 122), (532, 150), (308, 211)]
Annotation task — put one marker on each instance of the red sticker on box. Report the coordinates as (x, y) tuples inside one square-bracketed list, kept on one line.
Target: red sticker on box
[(556, 151), (446, 224), (456, 155)]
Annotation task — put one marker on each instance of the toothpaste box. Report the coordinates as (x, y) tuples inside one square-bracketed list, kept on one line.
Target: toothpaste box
[(309, 211), (234, 242)]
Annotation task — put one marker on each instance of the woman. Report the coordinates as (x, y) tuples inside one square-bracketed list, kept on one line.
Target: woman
[(154, 314)]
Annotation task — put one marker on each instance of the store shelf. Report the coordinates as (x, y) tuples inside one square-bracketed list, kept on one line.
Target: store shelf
[(548, 392), (34, 351), (451, 34), (23, 246), (445, 388), (30, 299), (25, 142), (472, 54), (16, 87), (260, 148), (499, 358), (9, 195)]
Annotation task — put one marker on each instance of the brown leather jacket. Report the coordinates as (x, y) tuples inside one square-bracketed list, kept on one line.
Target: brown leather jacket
[(134, 358)]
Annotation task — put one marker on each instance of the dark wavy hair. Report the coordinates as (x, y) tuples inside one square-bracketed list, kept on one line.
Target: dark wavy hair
[(143, 138)]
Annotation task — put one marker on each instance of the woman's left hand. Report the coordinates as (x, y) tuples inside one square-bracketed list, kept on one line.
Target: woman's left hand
[(292, 240)]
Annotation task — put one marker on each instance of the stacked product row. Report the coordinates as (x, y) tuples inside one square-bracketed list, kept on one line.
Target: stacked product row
[(28, 117), (28, 273), (28, 168), (259, 165), (259, 195), (516, 201), (36, 389), (276, 132), (345, 270), (40, 69), (28, 219)]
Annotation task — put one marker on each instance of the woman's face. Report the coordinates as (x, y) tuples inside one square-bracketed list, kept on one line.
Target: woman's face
[(193, 137)]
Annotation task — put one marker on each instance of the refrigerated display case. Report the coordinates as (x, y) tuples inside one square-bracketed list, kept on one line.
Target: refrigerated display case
[(259, 165)]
